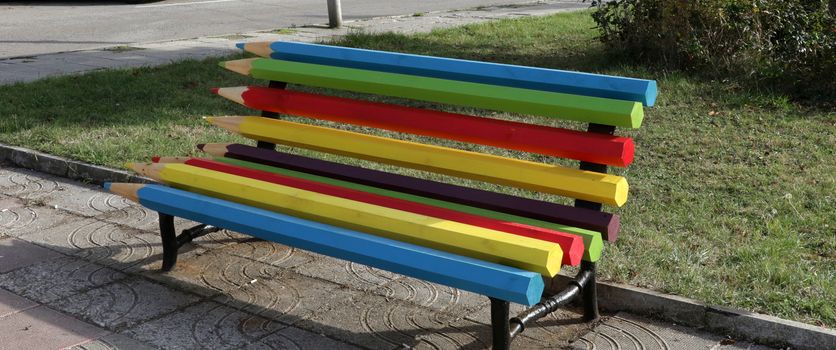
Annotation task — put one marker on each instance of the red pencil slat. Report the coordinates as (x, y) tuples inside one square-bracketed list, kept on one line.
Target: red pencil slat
[(573, 144), (571, 245)]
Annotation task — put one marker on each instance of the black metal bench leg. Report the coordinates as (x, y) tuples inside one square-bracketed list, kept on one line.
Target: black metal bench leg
[(590, 294), (170, 245), (500, 326)]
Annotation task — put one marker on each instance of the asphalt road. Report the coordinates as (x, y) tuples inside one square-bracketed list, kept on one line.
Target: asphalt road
[(39, 27)]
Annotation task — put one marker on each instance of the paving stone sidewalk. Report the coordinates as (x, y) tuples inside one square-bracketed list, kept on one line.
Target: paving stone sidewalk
[(79, 268), (25, 69)]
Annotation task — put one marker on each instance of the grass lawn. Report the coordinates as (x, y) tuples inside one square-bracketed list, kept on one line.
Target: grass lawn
[(732, 193)]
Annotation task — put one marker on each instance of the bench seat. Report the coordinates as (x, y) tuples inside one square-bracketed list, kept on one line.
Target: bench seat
[(469, 274)]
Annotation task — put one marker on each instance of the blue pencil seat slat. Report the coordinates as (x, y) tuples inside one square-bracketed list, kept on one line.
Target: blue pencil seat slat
[(578, 83), (461, 272)]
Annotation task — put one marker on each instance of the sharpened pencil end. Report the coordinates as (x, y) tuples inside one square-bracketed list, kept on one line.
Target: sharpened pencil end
[(261, 48), (200, 146), (228, 123), (127, 190), (215, 149), (106, 186), (214, 90), (234, 94), (242, 66), (155, 159), (150, 170)]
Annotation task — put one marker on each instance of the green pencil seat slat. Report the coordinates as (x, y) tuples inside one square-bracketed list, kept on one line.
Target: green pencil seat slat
[(598, 110), (593, 243)]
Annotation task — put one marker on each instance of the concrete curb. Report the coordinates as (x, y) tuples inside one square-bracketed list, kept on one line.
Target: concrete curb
[(612, 297), (66, 168)]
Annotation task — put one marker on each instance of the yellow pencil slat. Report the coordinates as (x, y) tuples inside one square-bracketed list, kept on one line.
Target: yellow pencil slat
[(580, 184), (454, 237)]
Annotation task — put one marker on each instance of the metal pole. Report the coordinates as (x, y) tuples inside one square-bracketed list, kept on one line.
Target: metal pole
[(335, 14), (500, 326)]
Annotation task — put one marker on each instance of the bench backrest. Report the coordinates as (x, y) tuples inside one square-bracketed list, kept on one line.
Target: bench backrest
[(605, 102)]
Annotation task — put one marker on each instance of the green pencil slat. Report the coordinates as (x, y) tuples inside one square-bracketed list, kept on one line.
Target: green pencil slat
[(592, 240), (628, 114)]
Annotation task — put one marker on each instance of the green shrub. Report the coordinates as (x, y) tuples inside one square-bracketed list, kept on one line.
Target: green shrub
[(788, 41)]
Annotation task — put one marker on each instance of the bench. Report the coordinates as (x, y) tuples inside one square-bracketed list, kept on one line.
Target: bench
[(494, 244)]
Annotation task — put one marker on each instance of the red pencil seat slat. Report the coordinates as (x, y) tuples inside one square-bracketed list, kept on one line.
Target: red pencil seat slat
[(573, 144), (571, 245)]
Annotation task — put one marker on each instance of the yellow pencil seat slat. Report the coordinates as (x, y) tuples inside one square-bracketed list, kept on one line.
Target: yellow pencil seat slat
[(580, 184), (490, 245)]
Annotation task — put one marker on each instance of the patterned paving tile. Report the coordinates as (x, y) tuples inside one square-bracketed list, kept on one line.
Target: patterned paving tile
[(626, 331), (113, 342), (462, 334), (270, 253), (220, 239), (16, 253), (466, 334), (123, 303), (59, 193), (287, 298), (554, 328), (207, 325), (353, 275), (451, 301), (12, 303), (212, 272), (373, 321), (82, 200), (134, 215), (57, 278), (17, 217), (44, 328), (102, 242), (292, 338), (24, 183)]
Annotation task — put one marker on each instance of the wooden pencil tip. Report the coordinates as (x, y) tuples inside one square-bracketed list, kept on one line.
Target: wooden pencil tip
[(235, 94), (200, 146), (261, 48), (214, 90), (242, 66), (215, 149), (155, 159), (127, 190), (145, 169), (228, 123)]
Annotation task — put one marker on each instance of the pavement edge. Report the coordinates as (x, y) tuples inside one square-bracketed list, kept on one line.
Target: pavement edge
[(66, 168), (750, 326)]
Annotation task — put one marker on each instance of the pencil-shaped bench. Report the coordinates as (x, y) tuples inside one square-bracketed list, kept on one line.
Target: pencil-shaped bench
[(494, 244)]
